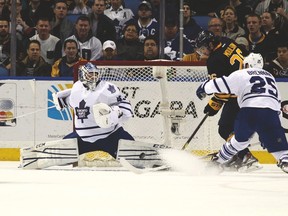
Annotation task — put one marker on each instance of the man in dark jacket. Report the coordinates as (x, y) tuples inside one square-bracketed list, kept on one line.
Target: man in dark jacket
[(102, 26), (34, 64)]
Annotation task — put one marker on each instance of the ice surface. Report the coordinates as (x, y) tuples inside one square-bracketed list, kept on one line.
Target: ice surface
[(64, 191)]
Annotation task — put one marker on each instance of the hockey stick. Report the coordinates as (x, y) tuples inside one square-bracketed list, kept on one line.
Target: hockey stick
[(30, 113), (136, 170), (195, 131)]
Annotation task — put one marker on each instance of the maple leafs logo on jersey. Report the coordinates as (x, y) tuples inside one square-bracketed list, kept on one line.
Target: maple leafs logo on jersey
[(82, 111), (112, 89)]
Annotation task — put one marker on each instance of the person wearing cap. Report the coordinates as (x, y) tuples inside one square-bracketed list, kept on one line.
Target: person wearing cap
[(102, 26), (146, 25), (190, 28), (172, 38), (109, 51)]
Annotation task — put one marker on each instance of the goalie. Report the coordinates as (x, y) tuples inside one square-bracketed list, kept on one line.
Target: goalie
[(99, 111)]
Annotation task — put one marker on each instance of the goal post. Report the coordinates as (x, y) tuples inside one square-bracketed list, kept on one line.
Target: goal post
[(172, 97)]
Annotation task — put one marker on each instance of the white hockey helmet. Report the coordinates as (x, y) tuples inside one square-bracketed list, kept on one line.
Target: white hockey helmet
[(89, 75), (253, 60)]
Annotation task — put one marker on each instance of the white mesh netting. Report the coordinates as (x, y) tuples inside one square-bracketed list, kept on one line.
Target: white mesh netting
[(136, 81)]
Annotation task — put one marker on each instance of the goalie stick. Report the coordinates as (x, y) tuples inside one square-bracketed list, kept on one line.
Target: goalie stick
[(136, 170)]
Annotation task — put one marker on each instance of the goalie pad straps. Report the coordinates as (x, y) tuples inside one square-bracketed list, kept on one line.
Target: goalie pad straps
[(140, 154), (52, 153)]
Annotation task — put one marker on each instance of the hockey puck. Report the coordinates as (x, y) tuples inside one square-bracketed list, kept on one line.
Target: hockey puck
[(142, 155)]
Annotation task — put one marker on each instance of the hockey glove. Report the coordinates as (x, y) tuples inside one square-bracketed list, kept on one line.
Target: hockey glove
[(106, 116), (200, 92), (60, 102), (213, 106)]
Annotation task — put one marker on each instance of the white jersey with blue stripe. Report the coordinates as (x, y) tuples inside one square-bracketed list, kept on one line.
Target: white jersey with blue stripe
[(82, 100), (254, 88)]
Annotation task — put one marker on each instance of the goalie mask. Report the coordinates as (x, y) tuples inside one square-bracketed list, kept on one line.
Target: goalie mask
[(253, 60), (89, 75)]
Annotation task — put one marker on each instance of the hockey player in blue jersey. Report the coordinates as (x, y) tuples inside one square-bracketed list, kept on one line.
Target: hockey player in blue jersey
[(260, 106)]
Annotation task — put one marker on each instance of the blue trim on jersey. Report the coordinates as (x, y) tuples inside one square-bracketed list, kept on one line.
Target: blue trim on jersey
[(225, 83), (264, 96), (216, 85), (86, 128)]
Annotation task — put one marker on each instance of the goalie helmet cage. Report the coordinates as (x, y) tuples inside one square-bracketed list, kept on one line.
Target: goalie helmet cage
[(136, 81)]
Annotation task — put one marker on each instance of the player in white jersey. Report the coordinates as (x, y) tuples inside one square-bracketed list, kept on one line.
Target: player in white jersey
[(99, 111), (260, 106)]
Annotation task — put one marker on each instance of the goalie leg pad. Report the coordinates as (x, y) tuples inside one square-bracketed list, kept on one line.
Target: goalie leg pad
[(140, 154), (52, 153)]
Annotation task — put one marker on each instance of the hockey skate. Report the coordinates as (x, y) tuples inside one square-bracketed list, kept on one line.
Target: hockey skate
[(283, 165), (213, 164), (248, 164)]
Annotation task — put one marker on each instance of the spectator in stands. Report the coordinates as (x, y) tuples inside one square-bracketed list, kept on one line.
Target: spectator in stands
[(33, 12), (172, 39), (258, 42), (215, 25), (231, 29), (109, 51), (90, 47), (278, 67), (151, 50), (21, 26), (242, 9), (155, 9), (62, 27), (278, 6), (81, 7), (190, 28), (102, 26), (242, 41), (129, 47), (2, 7), (63, 67), (119, 15), (34, 64), (146, 25), (50, 45), (5, 44), (70, 6), (273, 35)]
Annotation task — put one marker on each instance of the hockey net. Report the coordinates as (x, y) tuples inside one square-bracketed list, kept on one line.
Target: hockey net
[(143, 90)]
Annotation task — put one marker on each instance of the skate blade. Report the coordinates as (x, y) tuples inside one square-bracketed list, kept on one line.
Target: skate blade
[(253, 167)]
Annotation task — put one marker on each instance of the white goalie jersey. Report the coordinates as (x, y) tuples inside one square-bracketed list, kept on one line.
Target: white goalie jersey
[(82, 100), (254, 88)]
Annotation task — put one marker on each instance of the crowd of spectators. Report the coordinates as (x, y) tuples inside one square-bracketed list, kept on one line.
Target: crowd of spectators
[(71, 30)]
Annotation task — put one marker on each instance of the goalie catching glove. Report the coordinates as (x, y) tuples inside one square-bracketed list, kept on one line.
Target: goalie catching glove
[(106, 116), (213, 106)]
